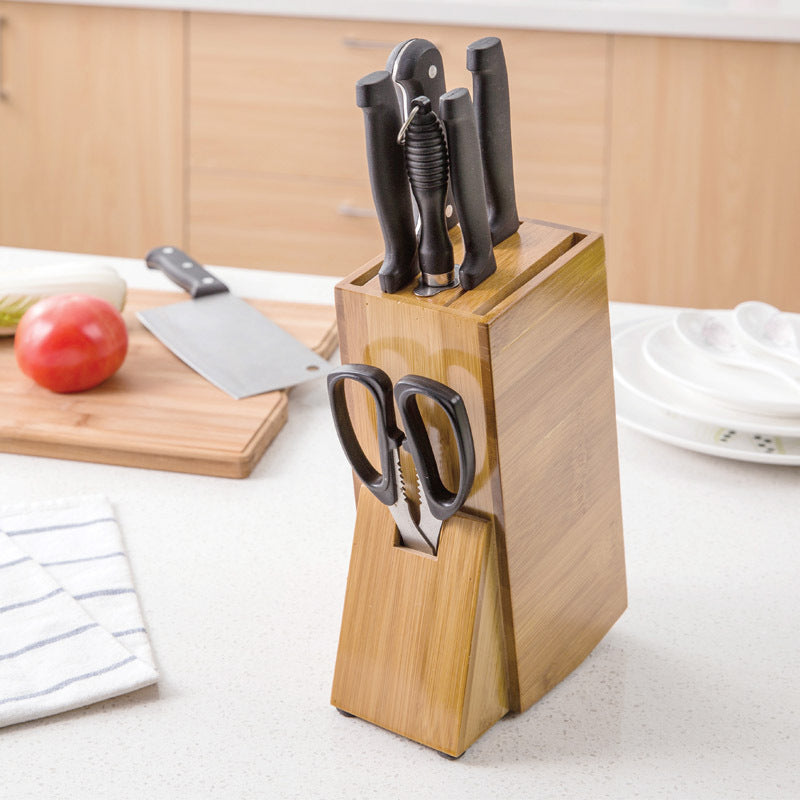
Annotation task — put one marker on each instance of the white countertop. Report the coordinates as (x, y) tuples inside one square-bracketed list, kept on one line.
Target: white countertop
[(692, 694), (767, 20)]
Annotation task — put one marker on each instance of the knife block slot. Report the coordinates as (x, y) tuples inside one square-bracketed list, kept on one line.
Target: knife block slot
[(529, 351), (421, 650)]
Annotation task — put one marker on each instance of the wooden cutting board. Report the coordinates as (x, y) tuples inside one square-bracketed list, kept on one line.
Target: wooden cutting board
[(156, 412)]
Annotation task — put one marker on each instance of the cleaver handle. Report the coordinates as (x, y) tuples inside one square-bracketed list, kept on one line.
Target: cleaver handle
[(183, 270)]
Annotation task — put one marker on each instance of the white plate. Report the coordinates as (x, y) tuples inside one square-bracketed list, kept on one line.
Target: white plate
[(701, 437), (769, 331), (667, 353), (638, 377)]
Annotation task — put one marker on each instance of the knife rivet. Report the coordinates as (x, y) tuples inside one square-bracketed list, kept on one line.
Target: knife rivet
[(448, 212), (187, 265), (207, 280), (432, 71)]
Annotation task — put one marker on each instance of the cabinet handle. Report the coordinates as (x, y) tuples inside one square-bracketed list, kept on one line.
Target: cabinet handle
[(348, 210), (3, 92), (355, 43)]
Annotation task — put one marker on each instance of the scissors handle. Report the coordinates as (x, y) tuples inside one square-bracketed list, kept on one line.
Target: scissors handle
[(382, 484), (442, 502)]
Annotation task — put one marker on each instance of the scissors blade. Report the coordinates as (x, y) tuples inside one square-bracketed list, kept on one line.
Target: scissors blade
[(400, 510), (429, 526)]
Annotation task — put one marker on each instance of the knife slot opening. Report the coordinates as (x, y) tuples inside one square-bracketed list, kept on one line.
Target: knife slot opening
[(367, 276), (526, 275)]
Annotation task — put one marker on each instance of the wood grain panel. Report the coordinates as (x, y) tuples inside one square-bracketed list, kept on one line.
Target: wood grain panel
[(276, 95), (423, 656), (92, 128), (529, 351), (704, 172), (561, 516), (291, 224), (155, 412)]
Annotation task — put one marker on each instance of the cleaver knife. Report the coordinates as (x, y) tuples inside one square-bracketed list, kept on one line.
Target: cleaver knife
[(226, 340)]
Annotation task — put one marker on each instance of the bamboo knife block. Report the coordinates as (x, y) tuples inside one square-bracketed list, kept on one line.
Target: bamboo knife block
[(530, 575)]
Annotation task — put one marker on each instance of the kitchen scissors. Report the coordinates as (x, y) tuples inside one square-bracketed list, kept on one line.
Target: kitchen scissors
[(437, 502)]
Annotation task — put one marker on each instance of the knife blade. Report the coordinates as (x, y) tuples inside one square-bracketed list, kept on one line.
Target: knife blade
[(222, 337), (487, 63), (417, 69)]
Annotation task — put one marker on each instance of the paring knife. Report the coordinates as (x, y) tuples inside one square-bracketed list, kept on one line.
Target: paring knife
[(375, 96), (417, 69), (487, 63), (222, 337)]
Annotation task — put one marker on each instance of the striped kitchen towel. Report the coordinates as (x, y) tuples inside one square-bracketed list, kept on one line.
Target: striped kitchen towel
[(71, 630)]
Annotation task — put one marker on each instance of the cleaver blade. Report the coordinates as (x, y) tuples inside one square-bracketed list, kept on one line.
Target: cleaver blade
[(223, 338)]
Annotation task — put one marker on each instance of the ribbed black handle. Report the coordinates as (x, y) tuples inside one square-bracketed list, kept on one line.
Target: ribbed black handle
[(183, 270), (487, 63), (418, 70), (466, 180), (375, 96), (427, 168)]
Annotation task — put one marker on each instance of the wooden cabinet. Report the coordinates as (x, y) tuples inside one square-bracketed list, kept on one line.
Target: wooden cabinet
[(91, 128), (276, 144), (704, 172), (237, 136)]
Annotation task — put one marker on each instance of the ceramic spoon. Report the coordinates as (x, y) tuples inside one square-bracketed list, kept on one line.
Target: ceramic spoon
[(717, 340), (770, 331)]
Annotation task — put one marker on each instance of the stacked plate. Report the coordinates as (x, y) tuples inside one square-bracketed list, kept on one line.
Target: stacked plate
[(726, 383)]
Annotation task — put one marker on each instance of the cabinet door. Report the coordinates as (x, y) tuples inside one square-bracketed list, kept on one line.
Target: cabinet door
[(272, 108), (704, 183), (91, 125)]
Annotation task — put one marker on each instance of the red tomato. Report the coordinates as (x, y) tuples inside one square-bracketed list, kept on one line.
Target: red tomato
[(71, 342)]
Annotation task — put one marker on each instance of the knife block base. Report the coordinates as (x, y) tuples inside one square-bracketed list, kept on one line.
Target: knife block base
[(421, 648), (529, 351)]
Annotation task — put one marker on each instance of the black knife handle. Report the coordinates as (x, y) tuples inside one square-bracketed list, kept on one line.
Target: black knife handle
[(466, 181), (375, 96), (442, 502), (427, 168), (417, 68), (183, 270), (486, 62)]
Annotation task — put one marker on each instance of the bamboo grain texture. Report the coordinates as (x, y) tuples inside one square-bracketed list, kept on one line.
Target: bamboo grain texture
[(420, 651), (155, 412), (529, 351)]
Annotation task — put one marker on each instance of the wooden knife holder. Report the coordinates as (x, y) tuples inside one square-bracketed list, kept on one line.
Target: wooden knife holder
[(530, 575)]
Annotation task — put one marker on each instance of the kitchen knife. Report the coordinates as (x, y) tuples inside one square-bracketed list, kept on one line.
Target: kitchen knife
[(427, 168), (375, 96), (466, 182), (486, 62), (417, 69), (222, 337)]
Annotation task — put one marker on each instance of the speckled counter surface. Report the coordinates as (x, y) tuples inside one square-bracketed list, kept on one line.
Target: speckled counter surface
[(693, 693)]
